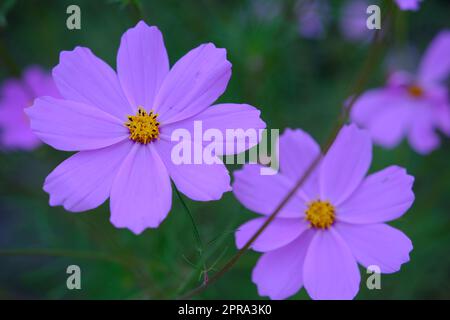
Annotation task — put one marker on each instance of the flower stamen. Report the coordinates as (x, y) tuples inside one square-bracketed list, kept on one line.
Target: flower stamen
[(144, 127), (321, 214), (415, 91)]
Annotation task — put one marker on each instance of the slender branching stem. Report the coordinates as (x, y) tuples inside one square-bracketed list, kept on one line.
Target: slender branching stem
[(366, 70)]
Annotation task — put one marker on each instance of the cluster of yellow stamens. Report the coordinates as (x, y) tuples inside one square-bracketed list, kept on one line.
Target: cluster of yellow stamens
[(415, 91), (144, 127), (321, 214)]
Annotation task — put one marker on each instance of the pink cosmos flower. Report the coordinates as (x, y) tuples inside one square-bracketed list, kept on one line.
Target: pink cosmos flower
[(411, 106), (336, 220), (353, 20), (121, 124), (15, 95), (408, 4), (313, 17)]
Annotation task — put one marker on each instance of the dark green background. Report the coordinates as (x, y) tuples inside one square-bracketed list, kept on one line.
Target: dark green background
[(297, 83)]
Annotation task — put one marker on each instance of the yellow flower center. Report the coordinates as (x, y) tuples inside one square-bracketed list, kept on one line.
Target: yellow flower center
[(415, 91), (321, 214), (144, 127)]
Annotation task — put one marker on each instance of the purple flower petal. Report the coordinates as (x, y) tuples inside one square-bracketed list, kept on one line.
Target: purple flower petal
[(193, 83), (72, 126), (81, 76), (435, 64), (83, 181), (141, 195), (297, 151), (422, 135), (313, 18), (377, 244), (390, 125), (263, 193), (15, 132), (330, 271), (18, 138), (353, 20), (16, 95), (442, 116), (383, 196), (223, 117), (201, 182), (142, 64), (385, 113), (279, 273), (369, 105), (345, 164), (279, 233), (412, 5), (40, 83)]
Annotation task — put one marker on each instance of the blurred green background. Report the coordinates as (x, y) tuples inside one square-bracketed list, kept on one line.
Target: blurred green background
[(296, 82)]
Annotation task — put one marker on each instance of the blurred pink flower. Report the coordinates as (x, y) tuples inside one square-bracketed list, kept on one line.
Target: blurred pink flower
[(121, 124), (353, 20), (336, 220), (15, 95), (411, 106), (313, 16), (408, 4)]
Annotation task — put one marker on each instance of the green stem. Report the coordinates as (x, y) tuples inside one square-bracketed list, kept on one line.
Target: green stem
[(198, 240), (194, 225), (360, 83)]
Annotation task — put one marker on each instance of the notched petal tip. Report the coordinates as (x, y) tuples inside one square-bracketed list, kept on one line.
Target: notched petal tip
[(356, 129), (65, 53), (142, 26), (136, 229)]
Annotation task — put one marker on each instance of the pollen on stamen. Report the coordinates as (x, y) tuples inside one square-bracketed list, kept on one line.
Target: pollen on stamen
[(320, 214), (143, 127), (415, 91)]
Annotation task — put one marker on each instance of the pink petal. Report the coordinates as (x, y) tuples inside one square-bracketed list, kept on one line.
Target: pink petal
[(72, 126), (201, 182), (330, 271), (345, 164), (377, 244), (141, 194), (81, 76), (193, 84), (385, 113), (40, 83), (435, 64), (263, 193), (369, 105), (279, 273), (16, 95), (408, 4), (142, 64), (15, 132), (224, 117), (18, 138), (297, 151), (422, 134), (83, 181), (383, 196), (278, 233), (13, 99), (390, 125), (442, 116), (399, 79)]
